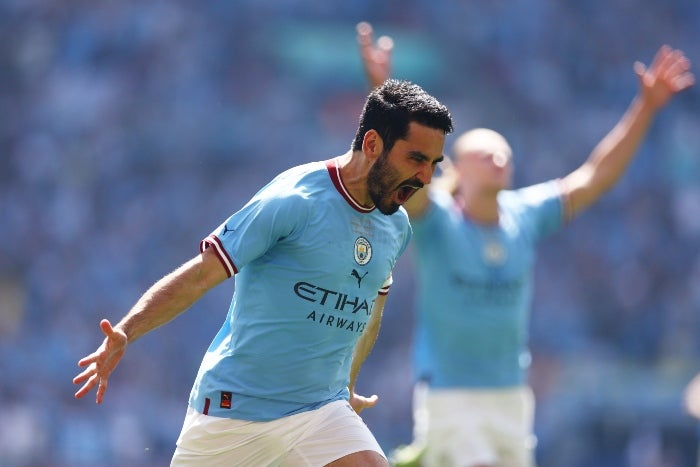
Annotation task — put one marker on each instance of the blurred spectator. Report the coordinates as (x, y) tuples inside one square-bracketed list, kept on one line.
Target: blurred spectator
[(119, 118)]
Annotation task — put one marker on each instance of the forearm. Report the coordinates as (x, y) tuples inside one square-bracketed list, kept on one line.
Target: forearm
[(366, 341), (610, 158), (612, 155), (168, 298)]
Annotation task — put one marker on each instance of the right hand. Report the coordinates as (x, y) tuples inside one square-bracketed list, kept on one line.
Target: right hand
[(668, 74), (102, 362), (375, 58)]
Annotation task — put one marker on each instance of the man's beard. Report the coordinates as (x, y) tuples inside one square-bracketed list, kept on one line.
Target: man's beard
[(382, 183)]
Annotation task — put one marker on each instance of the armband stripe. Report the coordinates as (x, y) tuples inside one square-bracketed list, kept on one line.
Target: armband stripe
[(214, 241)]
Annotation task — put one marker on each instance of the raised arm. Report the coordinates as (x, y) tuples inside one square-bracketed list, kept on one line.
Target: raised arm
[(376, 61), (165, 300), (376, 58), (362, 350), (668, 75)]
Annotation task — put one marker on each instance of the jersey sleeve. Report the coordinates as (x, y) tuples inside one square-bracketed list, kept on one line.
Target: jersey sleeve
[(430, 223), (543, 207), (249, 233), (384, 290)]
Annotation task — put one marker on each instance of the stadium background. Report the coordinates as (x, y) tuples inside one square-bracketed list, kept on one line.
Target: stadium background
[(129, 130)]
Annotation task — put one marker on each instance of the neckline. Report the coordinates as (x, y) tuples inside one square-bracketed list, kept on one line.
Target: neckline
[(333, 168)]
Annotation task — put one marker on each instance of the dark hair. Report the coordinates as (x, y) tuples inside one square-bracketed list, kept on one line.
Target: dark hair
[(392, 106)]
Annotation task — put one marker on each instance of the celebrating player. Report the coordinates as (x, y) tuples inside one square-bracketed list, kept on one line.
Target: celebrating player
[(312, 253)]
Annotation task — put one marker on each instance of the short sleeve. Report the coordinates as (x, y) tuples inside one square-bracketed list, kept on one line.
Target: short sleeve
[(258, 226)]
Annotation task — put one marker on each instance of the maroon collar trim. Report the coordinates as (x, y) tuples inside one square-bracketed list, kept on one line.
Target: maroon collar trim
[(334, 172)]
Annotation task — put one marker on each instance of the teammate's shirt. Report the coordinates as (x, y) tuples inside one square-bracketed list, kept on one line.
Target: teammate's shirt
[(475, 287), (309, 262)]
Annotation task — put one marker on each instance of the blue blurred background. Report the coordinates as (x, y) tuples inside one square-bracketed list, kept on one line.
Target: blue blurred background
[(129, 130)]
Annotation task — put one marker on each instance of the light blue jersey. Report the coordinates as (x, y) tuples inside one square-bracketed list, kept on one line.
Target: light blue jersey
[(475, 288), (309, 262)]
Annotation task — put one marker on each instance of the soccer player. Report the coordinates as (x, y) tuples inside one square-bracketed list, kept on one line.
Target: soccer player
[(312, 254), (475, 241)]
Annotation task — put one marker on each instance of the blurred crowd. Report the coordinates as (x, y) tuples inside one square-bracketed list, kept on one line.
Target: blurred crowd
[(130, 130)]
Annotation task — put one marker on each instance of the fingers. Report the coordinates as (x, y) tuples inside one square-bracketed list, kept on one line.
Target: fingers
[(668, 64), (365, 37), (85, 374), (106, 327), (99, 364), (385, 44), (668, 74), (92, 358), (366, 402), (364, 33), (92, 377), (678, 73), (87, 387), (101, 389)]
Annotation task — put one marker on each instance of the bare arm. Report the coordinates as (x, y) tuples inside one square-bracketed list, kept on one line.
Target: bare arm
[(376, 58), (362, 350), (668, 75), (173, 294), (165, 300)]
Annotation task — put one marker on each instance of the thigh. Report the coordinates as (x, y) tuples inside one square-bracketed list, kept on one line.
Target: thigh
[(338, 436)]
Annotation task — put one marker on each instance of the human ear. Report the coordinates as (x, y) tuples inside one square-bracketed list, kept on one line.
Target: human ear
[(372, 144)]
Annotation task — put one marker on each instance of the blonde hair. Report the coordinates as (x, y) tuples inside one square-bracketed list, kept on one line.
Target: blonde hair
[(476, 140), (481, 140)]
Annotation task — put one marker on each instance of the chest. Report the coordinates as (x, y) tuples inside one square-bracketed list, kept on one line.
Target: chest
[(505, 251), (350, 251)]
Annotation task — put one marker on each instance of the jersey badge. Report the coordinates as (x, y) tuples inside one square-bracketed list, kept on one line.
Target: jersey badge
[(363, 251)]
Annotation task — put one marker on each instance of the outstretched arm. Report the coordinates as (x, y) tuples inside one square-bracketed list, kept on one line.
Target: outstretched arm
[(362, 349), (668, 75), (165, 300)]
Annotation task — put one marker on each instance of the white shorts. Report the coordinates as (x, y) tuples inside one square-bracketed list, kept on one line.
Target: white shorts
[(468, 427), (313, 438)]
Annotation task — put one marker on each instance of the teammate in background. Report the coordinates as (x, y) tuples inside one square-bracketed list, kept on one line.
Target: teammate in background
[(312, 253), (475, 241)]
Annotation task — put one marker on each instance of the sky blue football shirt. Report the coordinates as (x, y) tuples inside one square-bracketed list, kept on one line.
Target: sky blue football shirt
[(475, 287), (309, 262)]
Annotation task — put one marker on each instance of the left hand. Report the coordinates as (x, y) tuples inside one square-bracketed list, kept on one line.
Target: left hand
[(667, 75), (359, 403)]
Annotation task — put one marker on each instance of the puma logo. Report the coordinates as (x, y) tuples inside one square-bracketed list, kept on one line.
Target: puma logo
[(226, 230), (357, 276)]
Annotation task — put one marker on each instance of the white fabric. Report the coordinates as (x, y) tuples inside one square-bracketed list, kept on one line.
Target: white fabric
[(313, 438), (476, 427)]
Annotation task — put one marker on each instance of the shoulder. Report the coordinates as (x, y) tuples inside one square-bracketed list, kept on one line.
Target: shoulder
[(532, 195), (290, 196), (296, 183), (298, 177)]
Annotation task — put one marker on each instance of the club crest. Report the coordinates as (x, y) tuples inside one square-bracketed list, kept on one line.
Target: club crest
[(363, 251), (494, 253)]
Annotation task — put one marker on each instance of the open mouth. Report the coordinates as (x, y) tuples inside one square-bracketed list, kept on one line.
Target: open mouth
[(405, 192)]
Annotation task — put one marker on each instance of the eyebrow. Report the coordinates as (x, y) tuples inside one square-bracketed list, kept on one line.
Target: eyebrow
[(420, 155)]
